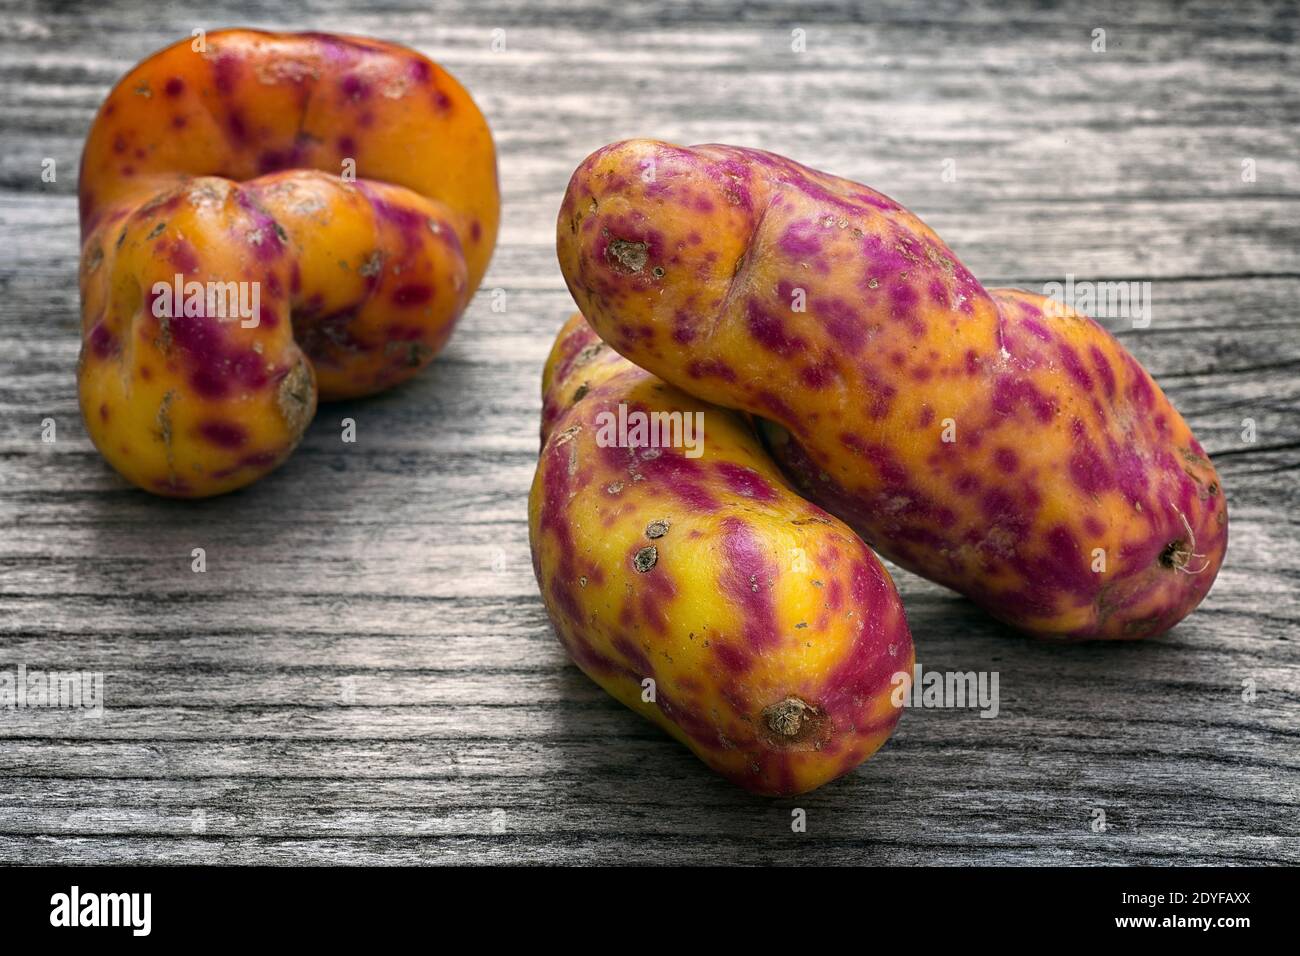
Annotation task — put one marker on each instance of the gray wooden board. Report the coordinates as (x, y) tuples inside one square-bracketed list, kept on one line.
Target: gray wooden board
[(365, 673)]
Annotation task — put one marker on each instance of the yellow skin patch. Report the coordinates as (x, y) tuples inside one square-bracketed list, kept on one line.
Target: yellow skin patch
[(990, 440), (350, 183), (770, 631)]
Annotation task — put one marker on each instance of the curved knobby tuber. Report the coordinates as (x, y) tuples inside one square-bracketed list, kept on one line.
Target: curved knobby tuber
[(710, 577), (268, 220), (992, 440)]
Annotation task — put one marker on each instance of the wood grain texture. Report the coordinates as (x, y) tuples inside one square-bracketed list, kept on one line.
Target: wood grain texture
[(365, 673)]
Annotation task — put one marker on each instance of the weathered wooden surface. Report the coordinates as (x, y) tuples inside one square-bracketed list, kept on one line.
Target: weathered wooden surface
[(365, 672)]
